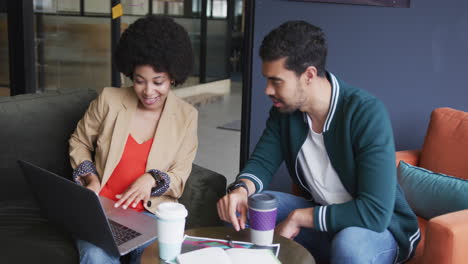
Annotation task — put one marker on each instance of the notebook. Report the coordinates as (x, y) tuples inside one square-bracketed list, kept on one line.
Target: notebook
[(86, 216), (216, 255)]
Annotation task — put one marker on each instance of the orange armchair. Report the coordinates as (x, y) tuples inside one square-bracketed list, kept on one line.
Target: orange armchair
[(444, 239)]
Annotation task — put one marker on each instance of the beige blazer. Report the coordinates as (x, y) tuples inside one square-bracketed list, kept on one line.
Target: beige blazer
[(104, 129)]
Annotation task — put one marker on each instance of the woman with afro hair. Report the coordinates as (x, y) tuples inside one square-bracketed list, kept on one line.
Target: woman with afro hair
[(143, 137)]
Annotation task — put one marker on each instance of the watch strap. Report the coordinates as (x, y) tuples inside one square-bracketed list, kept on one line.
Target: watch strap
[(236, 185)]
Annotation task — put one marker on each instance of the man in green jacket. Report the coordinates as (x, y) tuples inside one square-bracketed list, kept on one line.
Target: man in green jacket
[(337, 143)]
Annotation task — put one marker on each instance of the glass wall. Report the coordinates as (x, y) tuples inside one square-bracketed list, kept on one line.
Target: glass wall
[(4, 69), (98, 7), (216, 49), (192, 25), (237, 37), (73, 46), (171, 8), (217, 8), (68, 6), (73, 52), (135, 7)]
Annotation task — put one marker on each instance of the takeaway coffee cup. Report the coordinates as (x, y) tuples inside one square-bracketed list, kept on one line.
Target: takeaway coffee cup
[(170, 223), (262, 218)]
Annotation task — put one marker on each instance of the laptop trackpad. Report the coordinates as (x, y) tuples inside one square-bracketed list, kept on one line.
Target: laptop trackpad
[(137, 221)]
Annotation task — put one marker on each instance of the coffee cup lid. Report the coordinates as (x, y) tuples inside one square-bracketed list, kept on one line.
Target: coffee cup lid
[(171, 210), (263, 201)]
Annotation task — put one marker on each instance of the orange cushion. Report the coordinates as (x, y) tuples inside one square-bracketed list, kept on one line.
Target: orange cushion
[(445, 148)]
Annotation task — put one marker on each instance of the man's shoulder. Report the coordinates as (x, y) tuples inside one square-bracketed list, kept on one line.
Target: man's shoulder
[(354, 94), (357, 98)]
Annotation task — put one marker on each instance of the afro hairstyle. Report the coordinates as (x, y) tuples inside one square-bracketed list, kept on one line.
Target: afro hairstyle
[(157, 41)]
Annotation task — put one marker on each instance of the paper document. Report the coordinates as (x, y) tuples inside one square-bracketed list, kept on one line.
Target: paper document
[(216, 255), (221, 251)]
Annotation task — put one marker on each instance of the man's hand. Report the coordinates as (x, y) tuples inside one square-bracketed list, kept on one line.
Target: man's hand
[(91, 181), (288, 229), (236, 201), (297, 219), (140, 190)]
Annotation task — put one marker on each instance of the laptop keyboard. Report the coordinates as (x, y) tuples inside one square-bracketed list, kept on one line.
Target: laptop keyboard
[(122, 233)]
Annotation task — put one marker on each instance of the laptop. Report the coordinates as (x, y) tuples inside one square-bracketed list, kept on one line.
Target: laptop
[(87, 216)]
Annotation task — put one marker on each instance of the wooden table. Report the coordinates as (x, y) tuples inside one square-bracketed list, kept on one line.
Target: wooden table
[(290, 251)]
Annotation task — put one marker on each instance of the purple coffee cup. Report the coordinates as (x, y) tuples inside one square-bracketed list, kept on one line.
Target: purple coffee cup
[(262, 218)]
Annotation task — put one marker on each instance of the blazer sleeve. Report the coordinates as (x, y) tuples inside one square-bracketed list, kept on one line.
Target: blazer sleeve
[(180, 170), (82, 141)]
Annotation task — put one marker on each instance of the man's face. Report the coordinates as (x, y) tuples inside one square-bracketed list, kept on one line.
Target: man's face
[(284, 87)]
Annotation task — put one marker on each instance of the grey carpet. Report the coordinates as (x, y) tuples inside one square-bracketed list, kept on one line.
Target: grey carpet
[(234, 125)]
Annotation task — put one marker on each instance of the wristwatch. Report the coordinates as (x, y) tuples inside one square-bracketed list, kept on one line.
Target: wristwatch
[(237, 184)]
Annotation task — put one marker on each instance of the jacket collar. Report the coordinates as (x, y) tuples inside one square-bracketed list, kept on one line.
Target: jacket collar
[(335, 85), (334, 100), (165, 132)]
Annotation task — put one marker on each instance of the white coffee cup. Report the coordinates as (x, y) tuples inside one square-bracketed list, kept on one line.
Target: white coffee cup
[(171, 224)]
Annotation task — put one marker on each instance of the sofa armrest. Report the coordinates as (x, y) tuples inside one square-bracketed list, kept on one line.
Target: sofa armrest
[(26, 237), (202, 191), (446, 239), (408, 156)]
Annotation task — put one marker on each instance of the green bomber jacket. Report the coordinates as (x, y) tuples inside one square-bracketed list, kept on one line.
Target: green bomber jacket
[(359, 141)]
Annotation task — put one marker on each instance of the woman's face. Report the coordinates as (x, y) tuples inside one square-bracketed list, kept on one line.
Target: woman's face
[(151, 87)]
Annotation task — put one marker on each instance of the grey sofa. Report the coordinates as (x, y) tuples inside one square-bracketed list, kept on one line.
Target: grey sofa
[(36, 128)]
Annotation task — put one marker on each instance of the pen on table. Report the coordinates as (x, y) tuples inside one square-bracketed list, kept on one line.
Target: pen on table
[(230, 243)]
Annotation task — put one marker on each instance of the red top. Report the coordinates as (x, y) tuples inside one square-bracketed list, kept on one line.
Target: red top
[(131, 166)]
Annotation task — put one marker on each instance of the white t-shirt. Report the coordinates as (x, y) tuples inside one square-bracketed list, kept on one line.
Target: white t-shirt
[(321, 178)]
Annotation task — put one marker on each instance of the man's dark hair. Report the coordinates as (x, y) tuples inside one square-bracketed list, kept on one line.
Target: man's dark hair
[(157, 41), (301, 43)]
